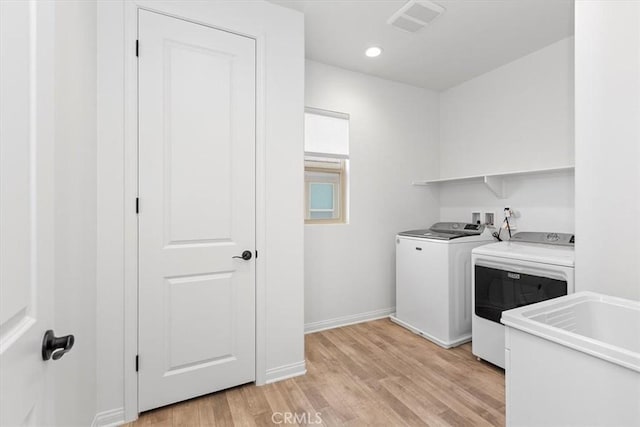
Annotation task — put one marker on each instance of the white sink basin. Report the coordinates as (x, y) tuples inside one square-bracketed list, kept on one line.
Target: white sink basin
[(573, 360)]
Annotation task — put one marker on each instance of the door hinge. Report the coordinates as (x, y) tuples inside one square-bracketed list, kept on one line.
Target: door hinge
[(256, 254), (137, 205), (137, 362), (137, 47)]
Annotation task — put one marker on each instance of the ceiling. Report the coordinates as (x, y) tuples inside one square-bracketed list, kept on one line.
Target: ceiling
[(470, 38)]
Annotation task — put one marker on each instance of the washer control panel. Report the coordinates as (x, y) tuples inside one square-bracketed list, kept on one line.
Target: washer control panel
[(563, 239), (458, 227)]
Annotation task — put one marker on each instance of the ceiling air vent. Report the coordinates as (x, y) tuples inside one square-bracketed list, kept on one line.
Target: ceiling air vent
[(415, 15)]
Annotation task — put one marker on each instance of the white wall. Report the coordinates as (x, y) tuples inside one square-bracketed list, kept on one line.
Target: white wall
[(280, 339), (350, 268), (75, 209), (541, 202), (516, 117), (608, 147), (110, 182)]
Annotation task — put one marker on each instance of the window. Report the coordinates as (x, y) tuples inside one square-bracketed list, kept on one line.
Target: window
[(326, 144), (324, 183)]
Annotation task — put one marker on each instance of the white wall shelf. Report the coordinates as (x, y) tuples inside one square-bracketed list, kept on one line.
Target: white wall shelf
[(495, 182)]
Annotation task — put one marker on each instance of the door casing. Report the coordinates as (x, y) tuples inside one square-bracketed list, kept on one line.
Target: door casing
[(176, 10)]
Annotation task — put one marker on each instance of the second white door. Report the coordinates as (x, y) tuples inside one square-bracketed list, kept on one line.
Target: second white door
[(197, 210)]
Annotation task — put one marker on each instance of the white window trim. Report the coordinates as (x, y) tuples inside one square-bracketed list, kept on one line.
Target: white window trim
[(328, 113)]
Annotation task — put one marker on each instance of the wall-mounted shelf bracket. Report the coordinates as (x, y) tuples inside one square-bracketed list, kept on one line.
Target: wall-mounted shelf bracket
[(496, 185)]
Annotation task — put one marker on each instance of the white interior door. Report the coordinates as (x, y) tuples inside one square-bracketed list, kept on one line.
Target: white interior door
[(26, 210), (197, 209)]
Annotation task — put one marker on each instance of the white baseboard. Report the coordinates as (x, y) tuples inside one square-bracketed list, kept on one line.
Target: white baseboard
[(110, 418), (348, 320), (444, 344), (284, 372), (115, 417)]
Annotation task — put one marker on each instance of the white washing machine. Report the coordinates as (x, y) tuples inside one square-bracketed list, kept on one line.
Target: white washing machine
[(529, 268), (433, 280)]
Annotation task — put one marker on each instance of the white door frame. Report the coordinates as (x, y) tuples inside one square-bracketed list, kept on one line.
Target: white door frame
[(181, 11)]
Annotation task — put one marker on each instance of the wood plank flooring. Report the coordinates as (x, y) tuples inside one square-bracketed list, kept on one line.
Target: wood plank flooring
[(374, 373)]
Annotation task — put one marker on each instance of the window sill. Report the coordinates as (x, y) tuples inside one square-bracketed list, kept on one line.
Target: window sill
[(325, 222)]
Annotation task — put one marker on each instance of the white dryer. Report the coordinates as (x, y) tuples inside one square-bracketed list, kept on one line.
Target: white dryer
[(433, 280), (529, 268)]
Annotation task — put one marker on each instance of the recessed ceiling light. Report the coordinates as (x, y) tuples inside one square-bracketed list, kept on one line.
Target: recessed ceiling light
[(373, 51)]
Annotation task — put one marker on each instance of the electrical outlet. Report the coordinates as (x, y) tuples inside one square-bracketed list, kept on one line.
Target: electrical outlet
[(489, 219), (475, 217)]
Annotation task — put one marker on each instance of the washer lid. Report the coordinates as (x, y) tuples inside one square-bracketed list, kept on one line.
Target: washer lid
[(431, 234), (533, 252), (446, 231)]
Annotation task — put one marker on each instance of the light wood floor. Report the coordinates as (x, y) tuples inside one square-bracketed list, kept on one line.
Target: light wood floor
[(374, 373)]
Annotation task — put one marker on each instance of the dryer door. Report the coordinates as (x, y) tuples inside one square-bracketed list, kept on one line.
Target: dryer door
[(499, 290)]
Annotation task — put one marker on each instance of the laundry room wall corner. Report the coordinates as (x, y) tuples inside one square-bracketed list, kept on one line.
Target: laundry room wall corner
[(393, 140), (607, 102), (279, 35)]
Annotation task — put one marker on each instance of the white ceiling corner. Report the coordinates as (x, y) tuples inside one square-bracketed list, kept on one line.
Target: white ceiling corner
[(469, 39)]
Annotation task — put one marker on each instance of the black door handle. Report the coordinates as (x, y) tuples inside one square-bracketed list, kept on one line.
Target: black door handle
[(55, 346), (246, 255)]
